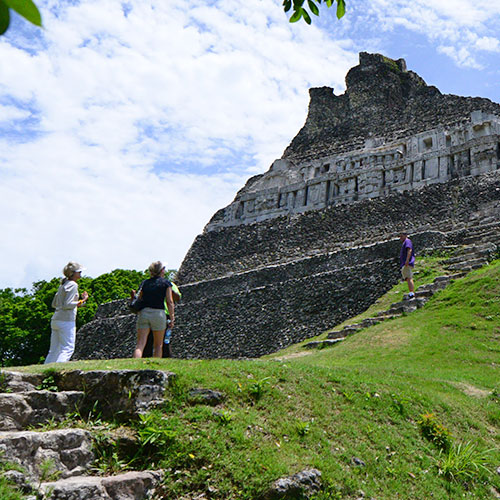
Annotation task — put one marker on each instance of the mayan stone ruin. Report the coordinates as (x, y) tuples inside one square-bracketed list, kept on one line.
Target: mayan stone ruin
[(313, 241)]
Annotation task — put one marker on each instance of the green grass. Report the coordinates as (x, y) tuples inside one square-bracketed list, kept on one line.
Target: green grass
[(362, 399)]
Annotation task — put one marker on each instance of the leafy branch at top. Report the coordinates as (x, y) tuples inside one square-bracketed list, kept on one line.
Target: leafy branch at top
[(300, 11), (25, 8)]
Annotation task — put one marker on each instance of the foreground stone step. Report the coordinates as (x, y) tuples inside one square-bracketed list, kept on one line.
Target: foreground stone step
[(20, 410), (19, 382), (119, 394), (127, 486), (70, 450)]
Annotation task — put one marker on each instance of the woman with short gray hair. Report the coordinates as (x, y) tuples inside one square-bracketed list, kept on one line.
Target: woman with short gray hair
[(63, 322)]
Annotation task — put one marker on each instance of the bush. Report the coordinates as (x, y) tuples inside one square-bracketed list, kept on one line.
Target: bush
[(435, 432)]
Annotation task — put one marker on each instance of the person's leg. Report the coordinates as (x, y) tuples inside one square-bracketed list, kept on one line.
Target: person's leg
[(66, 341), (411, 285), (148, 348), (142, 336), (158, 343), (54, 343)]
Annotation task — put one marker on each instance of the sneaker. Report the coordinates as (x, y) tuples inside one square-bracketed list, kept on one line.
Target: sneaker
[(409, 296)]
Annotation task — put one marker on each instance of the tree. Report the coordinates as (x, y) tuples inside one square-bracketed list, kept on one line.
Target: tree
[(301, 12), (25, 315), (28, 10)]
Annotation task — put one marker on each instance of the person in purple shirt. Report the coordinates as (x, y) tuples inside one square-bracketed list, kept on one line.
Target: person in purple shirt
[(406, 263)]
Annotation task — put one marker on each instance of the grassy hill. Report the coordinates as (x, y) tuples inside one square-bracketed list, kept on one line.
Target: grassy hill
[(406, 409)]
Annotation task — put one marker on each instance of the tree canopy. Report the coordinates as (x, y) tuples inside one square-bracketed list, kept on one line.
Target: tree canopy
[(25, 315)]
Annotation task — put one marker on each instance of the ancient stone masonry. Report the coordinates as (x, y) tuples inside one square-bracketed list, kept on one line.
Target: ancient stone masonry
[(388, 132), (313, 241)]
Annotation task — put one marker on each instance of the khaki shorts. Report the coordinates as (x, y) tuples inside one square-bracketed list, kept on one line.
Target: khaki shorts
[(407, 272), (155, 319)]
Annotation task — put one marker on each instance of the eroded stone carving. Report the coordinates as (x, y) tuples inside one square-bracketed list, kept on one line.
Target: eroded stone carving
[(422, 137)]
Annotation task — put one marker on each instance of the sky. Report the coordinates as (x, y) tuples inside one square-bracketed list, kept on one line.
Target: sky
[(124, 126)]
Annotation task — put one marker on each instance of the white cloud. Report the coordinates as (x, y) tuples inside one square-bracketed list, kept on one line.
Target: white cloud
[(461, 56), (488, 43), (11, 113), (142, 125), (147, 124), (452, 24)]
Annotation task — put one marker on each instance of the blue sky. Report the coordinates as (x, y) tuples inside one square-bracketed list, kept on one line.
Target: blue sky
[(125, 125)]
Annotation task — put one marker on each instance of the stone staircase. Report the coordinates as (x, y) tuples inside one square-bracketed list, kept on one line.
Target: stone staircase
[(473, 255), (57, 464)]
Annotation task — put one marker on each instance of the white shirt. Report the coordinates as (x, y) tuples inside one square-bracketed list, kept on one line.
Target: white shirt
[(65, 301)]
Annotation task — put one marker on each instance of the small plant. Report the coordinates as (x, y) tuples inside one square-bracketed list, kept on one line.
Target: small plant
[(463, 462), (107, 459), (224, 416), (156, 436), (348, 395), (495, 395), (399, 403), (258, 387), (4, 386), (48, 472), (302, 428), (48, 383), (435, 432)]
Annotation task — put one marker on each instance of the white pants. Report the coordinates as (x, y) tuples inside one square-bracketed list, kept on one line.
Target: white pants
[(62, 341)]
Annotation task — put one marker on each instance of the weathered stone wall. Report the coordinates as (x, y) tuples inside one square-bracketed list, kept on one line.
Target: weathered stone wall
[(333, 273), (250, 288), (382, 100), (270, 242)]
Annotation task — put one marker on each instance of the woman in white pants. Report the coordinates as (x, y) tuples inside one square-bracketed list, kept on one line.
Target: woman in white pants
[(63, 323)]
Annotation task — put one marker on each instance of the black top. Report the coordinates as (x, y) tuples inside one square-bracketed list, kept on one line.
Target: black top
[(154, 291)]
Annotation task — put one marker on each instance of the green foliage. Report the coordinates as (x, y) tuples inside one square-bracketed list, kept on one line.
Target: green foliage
[(299, 10), (25, 316), (223, 416), (48, 471), (25, 8), (48, 382), (302, 428), (435, 432), (464, 462), (156, 434), (258, 387), (9, 491)]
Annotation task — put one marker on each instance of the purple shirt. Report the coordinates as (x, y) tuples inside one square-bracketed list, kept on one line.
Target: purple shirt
[(404, 252)]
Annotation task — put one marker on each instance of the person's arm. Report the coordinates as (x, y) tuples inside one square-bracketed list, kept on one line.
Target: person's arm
[(170, 306), (408, 256), (70, 297), (84, 299)]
